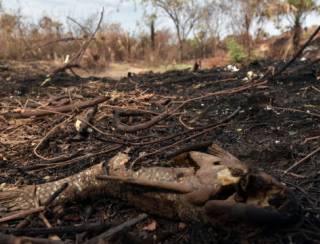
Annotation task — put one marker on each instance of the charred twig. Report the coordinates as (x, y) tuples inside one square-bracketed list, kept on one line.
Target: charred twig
[(50, 200), (53, 110), (310, 139), (57, 230), (134, 112), (206, 130), (74, 160), (302, 160), (297, 110), (182, 134), (315, 88), (122, 227), (63, 68), (184, 124), (56, 194), (222, 93), (55, 160), (188, 148), (45, 139), (174, 144), (22, 214), (142, 126), (118, 140)]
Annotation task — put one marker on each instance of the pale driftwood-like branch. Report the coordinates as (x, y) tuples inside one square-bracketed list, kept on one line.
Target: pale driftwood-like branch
[(177, 193)]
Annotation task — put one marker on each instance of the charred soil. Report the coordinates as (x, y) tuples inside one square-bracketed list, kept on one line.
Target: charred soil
[(278, 125)]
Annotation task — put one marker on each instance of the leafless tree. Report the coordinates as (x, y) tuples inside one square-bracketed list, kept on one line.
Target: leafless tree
[(295, 12), (184, 14), (246, 13)]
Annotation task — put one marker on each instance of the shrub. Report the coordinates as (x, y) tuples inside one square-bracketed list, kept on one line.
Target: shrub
[(236, 51)]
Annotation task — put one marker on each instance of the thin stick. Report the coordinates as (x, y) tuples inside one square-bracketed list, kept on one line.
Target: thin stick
[(315, 88), (51, 131), (27, 220), (222, 123), (83, 28), (310, 139), (22, 214), (111, 232), (297, 110), (74, 160), (302, 160), (36, 231)]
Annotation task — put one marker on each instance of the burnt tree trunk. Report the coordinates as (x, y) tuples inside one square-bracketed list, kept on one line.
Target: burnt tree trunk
[(297, 30), (152, 36), (248, 38)]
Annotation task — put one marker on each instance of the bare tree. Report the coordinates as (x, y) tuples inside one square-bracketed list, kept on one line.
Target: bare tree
[(211, 25), (244, 14), (184, 14), (295, 11)]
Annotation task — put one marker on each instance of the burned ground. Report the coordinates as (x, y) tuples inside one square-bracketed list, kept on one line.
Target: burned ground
[(277, 125)]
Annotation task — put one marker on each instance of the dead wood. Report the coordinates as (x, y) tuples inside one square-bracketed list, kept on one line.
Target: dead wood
[(142, 126), (133, 112), (177, 193), (302, 160), (22, 214), (115, 230), (53, 110), (33, 231), (75, 61), (202, 130)]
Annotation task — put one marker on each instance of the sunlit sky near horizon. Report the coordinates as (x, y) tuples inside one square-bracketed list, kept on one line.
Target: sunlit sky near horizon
[(124, 12)]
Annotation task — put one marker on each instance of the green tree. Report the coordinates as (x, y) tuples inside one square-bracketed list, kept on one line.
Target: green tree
[(235, 50)]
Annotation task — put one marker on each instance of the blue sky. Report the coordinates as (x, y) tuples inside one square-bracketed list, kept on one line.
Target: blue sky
[(124, 12), (120, 11)]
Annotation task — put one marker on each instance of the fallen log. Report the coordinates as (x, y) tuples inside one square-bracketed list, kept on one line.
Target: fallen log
[(53, 110), (221, 190)]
